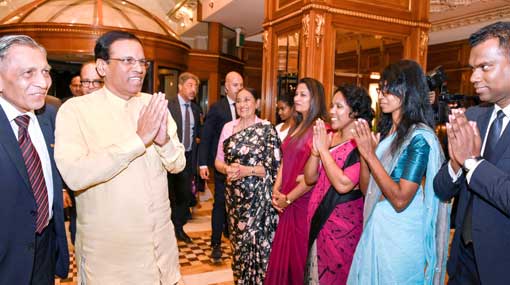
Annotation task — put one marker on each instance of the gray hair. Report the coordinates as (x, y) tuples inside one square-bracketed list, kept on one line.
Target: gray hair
[(7, 42)]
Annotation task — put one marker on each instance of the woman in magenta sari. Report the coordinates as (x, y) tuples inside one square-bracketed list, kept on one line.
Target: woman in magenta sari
[(290, 193), (335, 210)]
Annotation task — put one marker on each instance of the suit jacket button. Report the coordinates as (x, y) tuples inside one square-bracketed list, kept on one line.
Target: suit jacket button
[(31, 246), (33, 213)]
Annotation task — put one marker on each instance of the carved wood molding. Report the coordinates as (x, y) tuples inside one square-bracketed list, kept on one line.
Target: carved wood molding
[(305, 22), (265, 38), (85, 29), (319, 28), (424, 41), (472, 18), (346, 12)]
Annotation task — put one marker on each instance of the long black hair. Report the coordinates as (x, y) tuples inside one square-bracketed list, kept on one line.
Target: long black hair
[(406, 80)]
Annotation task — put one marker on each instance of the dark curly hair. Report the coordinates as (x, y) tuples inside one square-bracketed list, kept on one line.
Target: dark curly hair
[(406, 80), (499, 30), (359, 101)]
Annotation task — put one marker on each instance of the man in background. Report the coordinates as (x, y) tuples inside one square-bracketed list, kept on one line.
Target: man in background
[(90, 79), (75, 86), (220, 113), (186, 114)]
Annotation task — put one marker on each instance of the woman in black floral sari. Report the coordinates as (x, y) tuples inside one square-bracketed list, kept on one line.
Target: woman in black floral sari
[(249, 154)]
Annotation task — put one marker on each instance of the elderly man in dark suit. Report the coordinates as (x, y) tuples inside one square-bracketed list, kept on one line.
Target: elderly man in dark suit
[(186, 114), (479, 166), (219, 114), (33, 246)]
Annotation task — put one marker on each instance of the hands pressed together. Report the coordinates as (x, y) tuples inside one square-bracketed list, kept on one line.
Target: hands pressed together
[(152, 123), (321, 139), (464, 139), (366, 140)]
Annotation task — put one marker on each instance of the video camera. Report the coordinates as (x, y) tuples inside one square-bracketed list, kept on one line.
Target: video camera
[(437, 80)]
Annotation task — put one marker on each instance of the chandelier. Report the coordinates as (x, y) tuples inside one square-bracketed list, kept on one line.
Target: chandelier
[(443, 5)]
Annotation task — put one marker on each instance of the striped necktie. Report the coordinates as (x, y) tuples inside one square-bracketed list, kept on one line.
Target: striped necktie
[(35, 172)]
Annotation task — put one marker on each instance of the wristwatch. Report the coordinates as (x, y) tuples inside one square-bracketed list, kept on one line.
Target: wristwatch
[(471, 162)]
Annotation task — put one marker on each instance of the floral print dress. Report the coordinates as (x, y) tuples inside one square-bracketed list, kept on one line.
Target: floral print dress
[(251, 218)]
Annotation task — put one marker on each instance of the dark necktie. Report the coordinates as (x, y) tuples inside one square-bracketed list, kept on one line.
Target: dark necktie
[(187, 127), (35, 172), (235, 111), (490, 146)]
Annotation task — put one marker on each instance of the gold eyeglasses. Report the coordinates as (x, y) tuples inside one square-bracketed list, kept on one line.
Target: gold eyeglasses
[(131, 61), (94, 83)]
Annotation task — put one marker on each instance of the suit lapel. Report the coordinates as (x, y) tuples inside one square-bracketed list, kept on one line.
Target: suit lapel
[(175, 109), (504, 140), (226, 106), (9, 142)]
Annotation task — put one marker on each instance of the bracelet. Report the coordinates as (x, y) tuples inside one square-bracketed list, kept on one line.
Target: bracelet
[(316, 154), (287, 200)]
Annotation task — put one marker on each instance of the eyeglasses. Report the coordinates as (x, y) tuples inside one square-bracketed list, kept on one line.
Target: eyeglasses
[(95, 83), (382, 92), (131, 61)]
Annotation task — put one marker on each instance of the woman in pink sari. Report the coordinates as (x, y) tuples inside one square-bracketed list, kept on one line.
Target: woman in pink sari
[(335, 210), (290, 193)]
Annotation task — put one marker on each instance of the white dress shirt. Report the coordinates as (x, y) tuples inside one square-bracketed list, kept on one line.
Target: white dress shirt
[(37, 138), (506, 119), (231, 104)]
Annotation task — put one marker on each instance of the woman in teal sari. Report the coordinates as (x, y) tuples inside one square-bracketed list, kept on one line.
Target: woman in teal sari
[(406, 227)]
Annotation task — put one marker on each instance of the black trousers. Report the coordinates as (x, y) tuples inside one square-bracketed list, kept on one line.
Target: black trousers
[(466, 272), (43, 272), (180, 193), (218, 220)]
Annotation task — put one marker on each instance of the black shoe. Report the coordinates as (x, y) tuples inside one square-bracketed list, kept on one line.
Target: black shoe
[(182, 236), (216, 253)]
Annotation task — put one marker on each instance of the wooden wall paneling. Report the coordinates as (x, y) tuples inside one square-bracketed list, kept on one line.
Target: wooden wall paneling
[(252, 56), (454, 57), (269, 73)]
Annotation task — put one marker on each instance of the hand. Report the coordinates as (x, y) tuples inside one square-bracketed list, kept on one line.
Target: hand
[(204, 173), (67, 199), (278, 201), (464, 137), (151, 115), (162, 136), (366, 140), (233, 171), (321, 139)]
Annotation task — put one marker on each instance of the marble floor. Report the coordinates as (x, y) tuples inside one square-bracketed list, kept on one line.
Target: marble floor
[(197, 267)]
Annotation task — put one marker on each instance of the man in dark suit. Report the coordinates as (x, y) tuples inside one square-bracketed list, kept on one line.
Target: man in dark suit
[(219, 114), (186, 114), (33, 245), (479, 166)]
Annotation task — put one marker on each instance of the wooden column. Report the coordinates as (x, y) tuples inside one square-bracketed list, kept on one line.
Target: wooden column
[(317, 56)]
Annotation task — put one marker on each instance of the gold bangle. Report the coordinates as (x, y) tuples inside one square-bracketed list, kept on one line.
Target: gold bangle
[(287, 200), (316, 154)]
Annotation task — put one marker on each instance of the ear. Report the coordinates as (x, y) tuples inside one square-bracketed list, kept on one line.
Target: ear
[(101, 67)]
